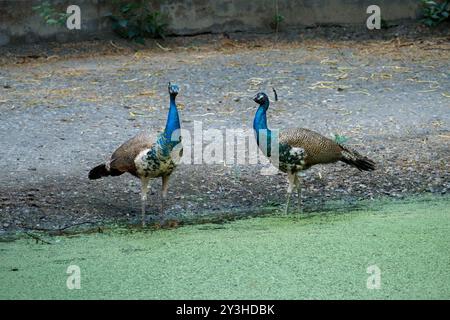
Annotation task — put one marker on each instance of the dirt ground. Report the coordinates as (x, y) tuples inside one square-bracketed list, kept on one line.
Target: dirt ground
[(65, 108)]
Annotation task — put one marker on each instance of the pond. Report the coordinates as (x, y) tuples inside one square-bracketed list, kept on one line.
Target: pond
[(390, 249)]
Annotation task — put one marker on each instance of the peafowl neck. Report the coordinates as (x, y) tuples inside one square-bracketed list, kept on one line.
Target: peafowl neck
[(261, 129), (172, 125), (260, 120)]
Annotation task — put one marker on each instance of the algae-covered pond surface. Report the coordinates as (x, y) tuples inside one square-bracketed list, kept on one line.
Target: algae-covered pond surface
[(323, 255)]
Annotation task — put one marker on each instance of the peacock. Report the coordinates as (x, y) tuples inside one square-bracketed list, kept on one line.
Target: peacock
[(299, 149), (148, 156)]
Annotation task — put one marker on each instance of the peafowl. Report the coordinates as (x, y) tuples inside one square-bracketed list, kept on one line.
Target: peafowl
[(299, 149), (147, 156)]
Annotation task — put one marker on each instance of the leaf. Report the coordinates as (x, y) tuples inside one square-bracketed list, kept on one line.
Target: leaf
[(123, 23), (428, 22), (340, 139), (126, 8), (131, 34), (52, 21)]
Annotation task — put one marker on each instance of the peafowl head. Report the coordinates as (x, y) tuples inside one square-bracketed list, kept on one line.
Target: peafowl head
[(173, 90), (262, 99)]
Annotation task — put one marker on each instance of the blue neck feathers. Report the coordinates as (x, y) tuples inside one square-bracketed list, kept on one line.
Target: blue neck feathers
[(173, 120), (260, 122), (172, 125), (261, 129)]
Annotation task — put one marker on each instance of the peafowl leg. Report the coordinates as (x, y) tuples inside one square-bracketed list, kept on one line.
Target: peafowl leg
[(291, 180), (299, 192), (144, 191), (165, 188)]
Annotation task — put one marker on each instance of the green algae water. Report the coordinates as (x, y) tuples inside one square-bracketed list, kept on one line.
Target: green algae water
[(320, 256)]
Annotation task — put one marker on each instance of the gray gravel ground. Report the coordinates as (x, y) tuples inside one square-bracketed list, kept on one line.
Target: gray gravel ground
[(61, 114)]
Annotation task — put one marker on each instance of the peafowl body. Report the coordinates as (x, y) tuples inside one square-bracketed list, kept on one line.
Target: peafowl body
[(299, 149), (148, 156)]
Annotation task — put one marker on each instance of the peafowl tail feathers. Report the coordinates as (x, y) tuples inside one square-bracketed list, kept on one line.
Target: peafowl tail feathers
[(356, 160)]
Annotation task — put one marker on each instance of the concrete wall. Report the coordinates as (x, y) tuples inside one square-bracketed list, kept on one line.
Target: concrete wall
[(236, 15), (19, 23)]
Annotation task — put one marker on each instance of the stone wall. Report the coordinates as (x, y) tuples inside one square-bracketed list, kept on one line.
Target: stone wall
[(19, 23)]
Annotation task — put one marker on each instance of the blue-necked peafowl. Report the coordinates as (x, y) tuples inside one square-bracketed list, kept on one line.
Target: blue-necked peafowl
[(148, 156), (299, 149)]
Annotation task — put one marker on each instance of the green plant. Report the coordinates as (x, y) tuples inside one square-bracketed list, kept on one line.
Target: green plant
[(136, 21), (340, 139), (277, 19), (435, 12), (50, 15)]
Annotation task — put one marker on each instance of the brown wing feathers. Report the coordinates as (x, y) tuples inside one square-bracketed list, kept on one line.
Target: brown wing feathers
[(321, 150), (122, 160), (318, 149)]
